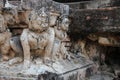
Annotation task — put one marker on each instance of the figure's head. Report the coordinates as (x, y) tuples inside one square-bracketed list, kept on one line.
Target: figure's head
[(53, 17), (43, 18), (39, 22), (2, 24), (43, 15), (65, 24)]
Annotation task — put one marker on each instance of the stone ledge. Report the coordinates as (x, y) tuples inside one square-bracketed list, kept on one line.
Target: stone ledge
[(15, 78), (63, 69)]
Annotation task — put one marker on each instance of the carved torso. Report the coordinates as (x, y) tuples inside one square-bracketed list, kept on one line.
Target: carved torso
[(37, 41), (61, 35)]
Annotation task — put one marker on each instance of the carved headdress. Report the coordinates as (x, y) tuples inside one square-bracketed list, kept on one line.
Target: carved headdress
[(43, 14)]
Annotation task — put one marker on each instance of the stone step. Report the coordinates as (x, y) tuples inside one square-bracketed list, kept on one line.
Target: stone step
[(15, 78), (62, 70)]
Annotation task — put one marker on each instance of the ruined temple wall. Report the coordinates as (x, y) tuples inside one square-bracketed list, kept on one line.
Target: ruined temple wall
[(90, 4), (37, 4)]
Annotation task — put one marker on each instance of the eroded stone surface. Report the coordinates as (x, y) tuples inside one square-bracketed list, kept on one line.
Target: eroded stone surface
[(39, 45), (38, 41)]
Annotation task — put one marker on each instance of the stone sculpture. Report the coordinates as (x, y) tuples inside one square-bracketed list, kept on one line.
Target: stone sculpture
[(37, 39), (10, 46), (59, 50), (5, 36), (42, 46)]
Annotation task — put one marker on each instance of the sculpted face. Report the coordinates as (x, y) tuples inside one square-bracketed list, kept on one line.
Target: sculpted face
[(53, 18), (43, 18), (39, 22), (65, 24)]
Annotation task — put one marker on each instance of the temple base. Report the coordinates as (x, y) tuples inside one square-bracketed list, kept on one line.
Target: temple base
[(63, 69)]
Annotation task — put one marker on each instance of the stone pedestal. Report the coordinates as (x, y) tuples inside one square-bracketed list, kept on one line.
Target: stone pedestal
[(64, 69)]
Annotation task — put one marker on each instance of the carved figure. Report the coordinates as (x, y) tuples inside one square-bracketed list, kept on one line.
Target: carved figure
[(59, 50), (4, 39), (38, 39), (9, 46), (5, 36)]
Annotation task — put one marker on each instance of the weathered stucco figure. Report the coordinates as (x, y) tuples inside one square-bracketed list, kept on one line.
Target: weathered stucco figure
[(10, 46), (59, 50), (38, 39), (6, 51), (5, 36)]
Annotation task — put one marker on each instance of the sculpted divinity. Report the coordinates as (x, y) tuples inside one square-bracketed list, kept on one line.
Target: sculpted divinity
[(42, 39), (38, 39), (8, 44)]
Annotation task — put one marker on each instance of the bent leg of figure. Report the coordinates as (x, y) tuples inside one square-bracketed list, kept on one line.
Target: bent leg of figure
[(26, 48), (64, 52), (55, 51), (49, 47), (15, 60), (11, 54), (5, 50), (16, 50)]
